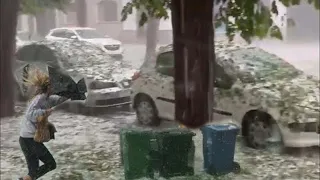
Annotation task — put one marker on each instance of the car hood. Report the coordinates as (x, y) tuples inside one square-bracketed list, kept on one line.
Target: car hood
[(302, 91), (104, 41), (114, 73)]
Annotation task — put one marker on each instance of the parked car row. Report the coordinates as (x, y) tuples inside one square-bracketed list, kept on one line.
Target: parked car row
[(266, 96)]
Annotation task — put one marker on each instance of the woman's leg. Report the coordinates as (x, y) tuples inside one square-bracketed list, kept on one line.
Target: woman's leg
[(32, 159), (46, 157)]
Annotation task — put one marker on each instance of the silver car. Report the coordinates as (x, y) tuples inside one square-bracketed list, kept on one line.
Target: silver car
[(108, 80)]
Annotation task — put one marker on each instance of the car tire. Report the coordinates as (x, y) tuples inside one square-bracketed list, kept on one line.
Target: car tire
[(146, 111), (257, 128)]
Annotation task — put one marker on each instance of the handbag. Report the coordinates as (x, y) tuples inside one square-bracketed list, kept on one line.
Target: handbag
[(44, 130)]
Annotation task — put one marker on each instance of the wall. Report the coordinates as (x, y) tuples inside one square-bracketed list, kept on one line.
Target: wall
[(111, 28), (306, 23)]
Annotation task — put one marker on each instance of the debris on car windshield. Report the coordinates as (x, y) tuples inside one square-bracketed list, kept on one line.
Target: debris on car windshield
[(76, 57)]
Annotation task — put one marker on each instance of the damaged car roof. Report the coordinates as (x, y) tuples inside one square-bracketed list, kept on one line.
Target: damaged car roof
[(76, 57)]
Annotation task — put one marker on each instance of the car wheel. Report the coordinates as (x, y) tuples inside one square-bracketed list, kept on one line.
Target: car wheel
[(258, 129), (146, 111)]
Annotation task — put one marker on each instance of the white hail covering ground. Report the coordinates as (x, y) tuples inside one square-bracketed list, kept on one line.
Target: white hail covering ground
[(87, 148)]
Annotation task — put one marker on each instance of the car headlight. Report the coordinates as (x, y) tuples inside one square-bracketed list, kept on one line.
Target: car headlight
[(126, 83)]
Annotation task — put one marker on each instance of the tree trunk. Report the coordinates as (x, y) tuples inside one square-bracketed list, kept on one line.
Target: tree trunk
[(151, 40), (31, 26), (41, 23), (9, 14), (194, 57), (81, 13), (46, 21)]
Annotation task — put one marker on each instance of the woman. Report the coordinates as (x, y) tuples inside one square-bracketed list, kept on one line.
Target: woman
[(41, 105)]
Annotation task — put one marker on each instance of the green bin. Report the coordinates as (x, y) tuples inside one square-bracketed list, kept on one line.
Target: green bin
[(169, 152), (137, 151), (177, 153)]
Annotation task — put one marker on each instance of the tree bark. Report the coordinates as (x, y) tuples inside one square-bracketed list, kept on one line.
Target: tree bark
[(41, 23), (31, 26), (81, 13), (151, 40), (45, 21), (9, 14), (194, 56)]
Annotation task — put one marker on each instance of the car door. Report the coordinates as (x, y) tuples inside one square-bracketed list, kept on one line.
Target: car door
[(165, 73), (224, 100)]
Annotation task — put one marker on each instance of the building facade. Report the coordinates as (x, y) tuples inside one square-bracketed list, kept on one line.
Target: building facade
[(105, 15)]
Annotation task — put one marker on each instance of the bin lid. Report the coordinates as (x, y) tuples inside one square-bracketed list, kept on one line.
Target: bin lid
[(221, 127), (176, 132), (136, 131)]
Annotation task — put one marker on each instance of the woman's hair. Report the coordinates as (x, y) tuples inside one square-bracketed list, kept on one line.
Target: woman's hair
[(39, 80)]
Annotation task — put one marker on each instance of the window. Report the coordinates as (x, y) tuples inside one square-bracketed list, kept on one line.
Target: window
[(63, 33), (89, 34), (69, 34), (165, 64), (221, 78), (58, 33), (107, 11)]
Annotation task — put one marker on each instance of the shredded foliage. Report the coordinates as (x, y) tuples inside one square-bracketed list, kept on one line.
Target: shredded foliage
[(35, 6), (251, 18)]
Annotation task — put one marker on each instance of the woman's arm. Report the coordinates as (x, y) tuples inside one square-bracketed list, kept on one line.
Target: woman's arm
[(55, 100)]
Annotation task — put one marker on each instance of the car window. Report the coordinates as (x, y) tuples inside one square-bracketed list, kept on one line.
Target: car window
[(222, 79), (89, 34), (165, 64), (58, 33), (69, 34)]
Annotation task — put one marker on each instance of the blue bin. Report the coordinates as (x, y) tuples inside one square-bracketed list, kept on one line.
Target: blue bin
[(218, 148)]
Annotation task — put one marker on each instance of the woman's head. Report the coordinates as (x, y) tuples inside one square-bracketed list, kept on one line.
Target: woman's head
[(39, 80)]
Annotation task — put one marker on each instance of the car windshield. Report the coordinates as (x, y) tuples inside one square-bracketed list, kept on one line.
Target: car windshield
[(262, 65), (90, 34)]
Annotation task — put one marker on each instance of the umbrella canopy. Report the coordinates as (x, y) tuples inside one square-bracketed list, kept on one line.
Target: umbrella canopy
[(63, 85)]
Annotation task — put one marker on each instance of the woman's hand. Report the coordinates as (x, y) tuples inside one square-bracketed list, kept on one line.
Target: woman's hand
[(49, 111)]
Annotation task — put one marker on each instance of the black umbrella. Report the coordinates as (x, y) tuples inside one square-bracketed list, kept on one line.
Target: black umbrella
[(63, 85)]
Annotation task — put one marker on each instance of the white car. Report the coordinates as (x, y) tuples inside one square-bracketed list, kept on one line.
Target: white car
[(111, 46), (266, 96), (108, 80)]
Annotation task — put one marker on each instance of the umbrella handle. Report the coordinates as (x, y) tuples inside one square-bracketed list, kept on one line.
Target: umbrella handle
[(55, 107)]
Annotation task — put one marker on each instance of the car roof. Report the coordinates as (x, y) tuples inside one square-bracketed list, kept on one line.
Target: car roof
[(219, 46), (72, 28), (242, 57)]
